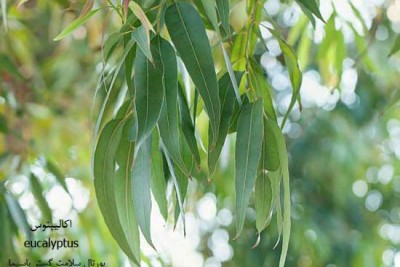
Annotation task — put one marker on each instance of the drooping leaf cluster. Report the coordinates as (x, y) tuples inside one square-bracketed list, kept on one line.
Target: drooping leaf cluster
[(145, 135)]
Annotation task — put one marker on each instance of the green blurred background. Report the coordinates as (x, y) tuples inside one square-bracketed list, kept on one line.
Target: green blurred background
[(344, 145)]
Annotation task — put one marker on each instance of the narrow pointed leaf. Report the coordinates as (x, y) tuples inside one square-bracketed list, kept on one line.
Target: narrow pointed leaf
[(111, 43), (18, 215), (227, 98), (149, 93), (141, 176), (139, 13), (169, 119), (223, 13), (158, 182), (234, 81), (293, 68), (236, 112), (312, 6), (248, 152), (41, 201), (187, 124), (264, 201), (55, 170), (139, 35), (270, 150), (104, 182), (177, 185), (182, 182), (284, 171), (190, 39), (396, 46), (123, 195), (74, 25), (261, 86), (209, 8)]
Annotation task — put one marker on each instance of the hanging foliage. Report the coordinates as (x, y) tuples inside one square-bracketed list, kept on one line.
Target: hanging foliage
[(154, 133)]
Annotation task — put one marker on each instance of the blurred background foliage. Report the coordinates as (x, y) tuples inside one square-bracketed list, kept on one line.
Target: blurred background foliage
[(344, 144)]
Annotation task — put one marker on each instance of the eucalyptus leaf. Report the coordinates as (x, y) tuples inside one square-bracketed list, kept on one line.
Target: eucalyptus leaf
[(123, 194), (177, 184), (139, 35), (190, 39), (149, 92), (41, 201), (223, 13), (248, 152), (264, 201), (18, 215), (396, 46), (111, 43), (284, 171), (141, 176), (312, 6), (139, 13), (104, 182), (55, 170), (74, 25), (270, 150), (168, 123), (262, 88), (158, 182), (227, 98), (293, 68), (209, 7), (187, 125)]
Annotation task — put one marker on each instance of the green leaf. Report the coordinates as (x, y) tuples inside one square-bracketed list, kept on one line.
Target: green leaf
[(139, 35), (179, 187), (396, 46), (123, 193), (262, 88), (18, 215), (139, 13), (270, 151), (227, 98), (231, 74), (149, 92), (169, 118), (264, 201), (238, 52), (223, 13), (74, 25), (141, 176), (130, 58), (110, 91), (293, 68), (312, 6), (248, 152), (190, 39), (41, 201), (236, 112), (111, 43), (104, 181), (187, 124), (209, 8), (158, 182), (284, 171), (55, 170), (6, 238)]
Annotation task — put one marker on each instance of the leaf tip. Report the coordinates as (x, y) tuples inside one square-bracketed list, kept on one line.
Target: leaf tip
[(257, 241)]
